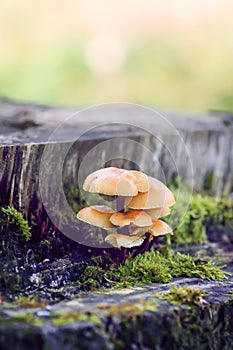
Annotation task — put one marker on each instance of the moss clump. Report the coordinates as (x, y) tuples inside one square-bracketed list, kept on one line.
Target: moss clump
[(14, 219), (209, 181), (162, 266), (203, 211), (153, 266), (57, 319), (182, 295), (31, 301), (73, 316), (128, 308)]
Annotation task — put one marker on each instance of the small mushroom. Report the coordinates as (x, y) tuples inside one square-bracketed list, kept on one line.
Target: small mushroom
[(136, 217), (141, 180), (156, 213), (158, 228), (123, 242), (103, 209), (118, 240), (97, 217), (113, 181), (140, 201), (158, 195)]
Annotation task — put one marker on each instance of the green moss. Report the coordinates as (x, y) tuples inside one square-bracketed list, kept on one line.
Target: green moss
[(203, 210), (75, 198), (58, 319), (182, 295), (128, 308), (154, 266), (162, 266), (209, 181), (91, 276), (26, 318), (46, 242), (73, 316), (14, 219), (31, 301)]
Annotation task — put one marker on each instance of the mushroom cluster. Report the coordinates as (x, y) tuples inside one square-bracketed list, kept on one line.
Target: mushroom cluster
[(140, 201)]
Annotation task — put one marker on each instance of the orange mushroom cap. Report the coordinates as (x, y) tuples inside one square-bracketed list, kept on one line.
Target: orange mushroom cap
[(99, 218), (114, 181), (119, 240), (159, 212), (158, 195), (158, 228), (136, 217)]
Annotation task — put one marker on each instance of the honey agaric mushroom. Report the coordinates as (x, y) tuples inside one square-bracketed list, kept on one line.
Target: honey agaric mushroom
[(123, 242), (103, 209), (140, 201), (158, 228), (141, 180), (119, 240), (157, 196), (156, 213), (96, 216), (116, 182), (136, 217)]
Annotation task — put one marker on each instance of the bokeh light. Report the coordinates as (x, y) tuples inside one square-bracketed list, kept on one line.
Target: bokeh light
[(105, 54)]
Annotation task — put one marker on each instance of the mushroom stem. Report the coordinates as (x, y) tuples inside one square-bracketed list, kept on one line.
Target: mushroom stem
[(122, 255), (152, 242), (144, 246), (123, 230), (120, 202)]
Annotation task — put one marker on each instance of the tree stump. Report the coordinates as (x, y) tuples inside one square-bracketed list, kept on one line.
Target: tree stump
[(25, 131), (44, 154)]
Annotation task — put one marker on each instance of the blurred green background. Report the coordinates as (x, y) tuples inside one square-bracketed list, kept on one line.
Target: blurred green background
[(173, 54)]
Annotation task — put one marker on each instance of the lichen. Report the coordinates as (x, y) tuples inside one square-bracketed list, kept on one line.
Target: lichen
[(126, 311), (30, 301), (29, 318), (73, 316), (182, 295), (128, 308)]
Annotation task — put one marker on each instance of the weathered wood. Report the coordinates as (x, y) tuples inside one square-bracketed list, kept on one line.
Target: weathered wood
[(164, 326), (204, 150)]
